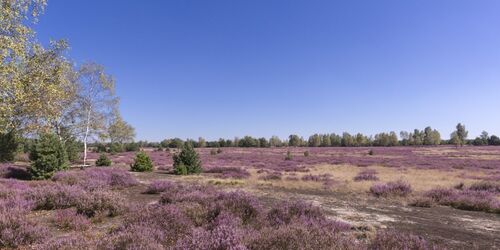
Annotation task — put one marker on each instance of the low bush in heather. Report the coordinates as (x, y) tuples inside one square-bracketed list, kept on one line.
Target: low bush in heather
[(69, 219), (157, 187), (142, 163), (101, 203), (304, 235), (103, 161), (75, 241), (390, 239), (17, 230), (366, 175), (465, 199), (228, 172), (487, 186), (55, 196), (317, 178), (391, 189), (96, 178), (273, 176)]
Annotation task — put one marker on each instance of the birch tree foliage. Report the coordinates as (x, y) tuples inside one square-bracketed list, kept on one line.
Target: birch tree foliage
[(36, 83), (96, 102), (119, 131)]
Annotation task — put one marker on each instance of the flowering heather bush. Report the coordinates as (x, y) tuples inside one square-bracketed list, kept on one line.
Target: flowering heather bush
[(96, 178), (160, 225), (55, 196), (157, 187), (304, 235), (228, 172), (285, 212), (274, 176), (398, 188), (68, 242), (486, 186), (465, 199), (366, 175), (390, 239), (17, 230), (422, 202), (101, 203), (71, 220)]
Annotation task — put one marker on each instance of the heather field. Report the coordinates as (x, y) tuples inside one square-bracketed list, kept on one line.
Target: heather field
[(314, 198)]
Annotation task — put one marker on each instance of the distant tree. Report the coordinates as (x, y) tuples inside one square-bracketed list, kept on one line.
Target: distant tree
[(120, 131), (405, 138), (484, 137), (263, 143), (175, 143), (431, 137), (314, 140), (459, 136), (248, 142), (201, 142), (393, 139), (361, 140), (275, 141), (294, 141), (335, 140), (494, 140), (325, 140), (347, 140)]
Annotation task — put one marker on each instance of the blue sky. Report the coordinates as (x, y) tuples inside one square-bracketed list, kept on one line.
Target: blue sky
[(226, 68)]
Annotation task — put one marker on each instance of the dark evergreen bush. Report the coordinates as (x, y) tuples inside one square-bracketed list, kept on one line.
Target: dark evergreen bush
[(187, 158), (142, 163), (8, 146), (48, 156), (103, 161)]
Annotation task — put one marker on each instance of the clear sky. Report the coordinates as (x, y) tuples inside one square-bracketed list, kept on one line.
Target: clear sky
[(225, 68)]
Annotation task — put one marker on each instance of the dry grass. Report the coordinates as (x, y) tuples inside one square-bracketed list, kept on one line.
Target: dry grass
[(420, 179)]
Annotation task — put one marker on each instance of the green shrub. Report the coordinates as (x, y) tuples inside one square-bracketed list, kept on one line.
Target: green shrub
[(219, 151), (142, 163), (187, 158), (8, 146), (103, 161), (73, 149), (213, 152), (116, 148), (132, 147), (181, 169), (288, 156), (48, 156), (306, 153), (371, 152)]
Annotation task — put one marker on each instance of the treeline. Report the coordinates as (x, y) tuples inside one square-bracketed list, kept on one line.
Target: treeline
[(425, 137)]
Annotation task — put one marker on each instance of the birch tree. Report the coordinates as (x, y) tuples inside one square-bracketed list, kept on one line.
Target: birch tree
[(97, 103), (119, 131)]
